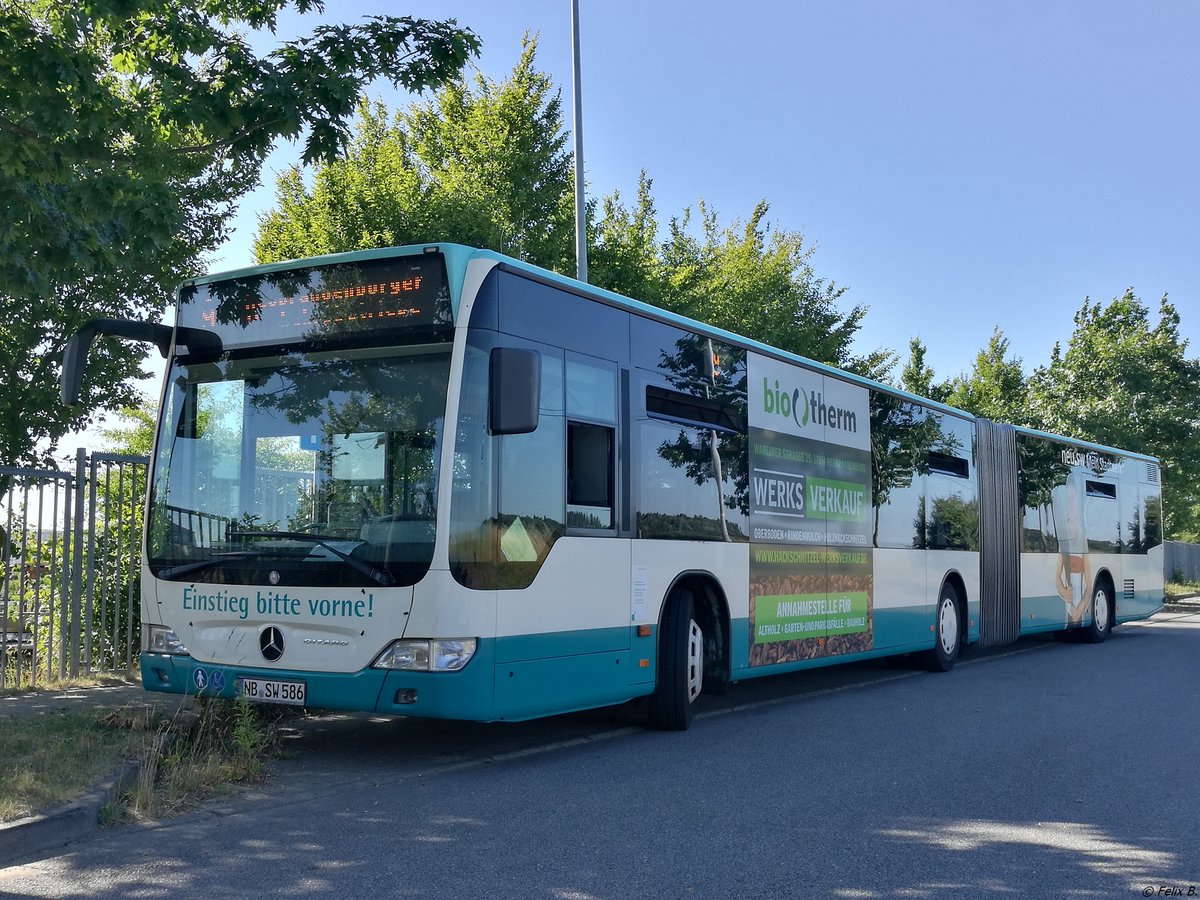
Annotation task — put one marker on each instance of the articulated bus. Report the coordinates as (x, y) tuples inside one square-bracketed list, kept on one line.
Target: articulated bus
[(435, 481)]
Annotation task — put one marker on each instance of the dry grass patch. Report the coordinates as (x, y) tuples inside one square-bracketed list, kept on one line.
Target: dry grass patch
[(52, 758), (189, 752), (98, 679), (1177, 590)]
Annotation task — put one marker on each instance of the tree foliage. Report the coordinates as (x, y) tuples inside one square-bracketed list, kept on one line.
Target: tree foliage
[(127, 131), (133, 433), (486, 163), (917, 377), (1126, 382), (1123, 380), (996, 387), (746, 277), (624, 251), (481, 162)]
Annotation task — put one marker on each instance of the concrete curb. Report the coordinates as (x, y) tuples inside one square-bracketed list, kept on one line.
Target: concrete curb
[(34, 837), (23, 840), (1181, 607), (1188, 603)]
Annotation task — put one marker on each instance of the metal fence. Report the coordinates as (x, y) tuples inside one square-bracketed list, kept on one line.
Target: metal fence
[(1181, 562), (69, 568)]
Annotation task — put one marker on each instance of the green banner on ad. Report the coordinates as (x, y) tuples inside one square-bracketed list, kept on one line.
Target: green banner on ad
[(841, 501), (792, 617)]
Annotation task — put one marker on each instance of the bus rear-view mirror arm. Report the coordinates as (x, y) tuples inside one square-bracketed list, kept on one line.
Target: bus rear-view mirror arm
[(80, 344)]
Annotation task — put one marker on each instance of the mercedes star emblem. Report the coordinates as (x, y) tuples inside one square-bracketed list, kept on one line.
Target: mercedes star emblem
[(270, 641)]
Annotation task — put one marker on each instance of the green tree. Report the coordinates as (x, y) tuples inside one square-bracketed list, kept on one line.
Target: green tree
[(127, 132), (996, 387), (624, 254), (752, 279), (486, 163), (1128, 383), (482, 162), (134, 433), (917, 377), (749, 278)]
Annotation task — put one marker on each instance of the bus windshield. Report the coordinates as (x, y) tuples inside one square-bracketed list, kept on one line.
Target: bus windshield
[(307, 468)]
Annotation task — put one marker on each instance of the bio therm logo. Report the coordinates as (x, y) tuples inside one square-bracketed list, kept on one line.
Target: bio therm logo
[(802, 408)]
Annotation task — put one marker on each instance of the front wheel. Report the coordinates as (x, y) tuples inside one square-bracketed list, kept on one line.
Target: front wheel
[(948, 632), (680, 666), (1101, 624)]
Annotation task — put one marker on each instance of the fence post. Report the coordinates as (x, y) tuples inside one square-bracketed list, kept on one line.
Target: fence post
[(64, 580), (136, 538), (6, 549), (77, 556)]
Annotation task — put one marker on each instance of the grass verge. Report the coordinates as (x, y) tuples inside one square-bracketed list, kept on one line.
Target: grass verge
[(1177, 590), (188, 752), (53, 758)]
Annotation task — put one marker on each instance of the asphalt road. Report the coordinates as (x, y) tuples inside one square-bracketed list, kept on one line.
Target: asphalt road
[(1043, 770)]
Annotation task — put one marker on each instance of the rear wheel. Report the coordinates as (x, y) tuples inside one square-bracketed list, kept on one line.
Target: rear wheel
[(680, 666), (1101, 624), (948, 632)]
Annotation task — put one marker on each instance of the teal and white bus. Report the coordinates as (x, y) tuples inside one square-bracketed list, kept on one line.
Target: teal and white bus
[(436, 481)]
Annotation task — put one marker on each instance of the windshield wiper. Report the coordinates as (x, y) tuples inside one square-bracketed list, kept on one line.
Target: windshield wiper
[(380, 576), (215, 559)]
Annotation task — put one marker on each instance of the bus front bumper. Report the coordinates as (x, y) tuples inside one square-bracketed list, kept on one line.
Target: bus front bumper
[(466, 694)]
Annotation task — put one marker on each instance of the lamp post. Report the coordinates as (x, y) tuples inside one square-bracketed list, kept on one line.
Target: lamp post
[(580, 207)]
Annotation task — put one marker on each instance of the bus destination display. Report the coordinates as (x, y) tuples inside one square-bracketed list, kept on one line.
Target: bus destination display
[(320, 303)]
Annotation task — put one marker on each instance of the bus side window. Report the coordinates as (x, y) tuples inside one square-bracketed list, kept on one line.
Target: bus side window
[(589, 476), (591, 395)]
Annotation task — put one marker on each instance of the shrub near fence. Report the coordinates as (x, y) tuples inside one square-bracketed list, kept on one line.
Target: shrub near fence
[(69, 568)]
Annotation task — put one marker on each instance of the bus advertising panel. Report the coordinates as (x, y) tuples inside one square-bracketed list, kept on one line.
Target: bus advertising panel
[(810, 503)]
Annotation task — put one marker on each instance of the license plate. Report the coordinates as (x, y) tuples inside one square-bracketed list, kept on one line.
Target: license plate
[(263, 690)]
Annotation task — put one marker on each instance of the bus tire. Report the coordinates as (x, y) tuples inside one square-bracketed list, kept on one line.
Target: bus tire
[(1101, 624), (680, 666), (948, 632)]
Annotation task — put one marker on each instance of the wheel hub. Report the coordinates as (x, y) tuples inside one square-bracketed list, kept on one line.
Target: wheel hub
[(948, 626), (1100, 609), (695, 661)]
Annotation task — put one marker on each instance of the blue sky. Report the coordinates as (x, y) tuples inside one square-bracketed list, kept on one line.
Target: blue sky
[(959, 166)]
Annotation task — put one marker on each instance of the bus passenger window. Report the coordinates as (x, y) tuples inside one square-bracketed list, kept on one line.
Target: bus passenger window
[(589, 476)]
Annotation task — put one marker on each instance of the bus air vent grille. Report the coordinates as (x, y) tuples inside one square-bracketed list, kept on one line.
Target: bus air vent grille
[(1129, 591), (1152, 473)]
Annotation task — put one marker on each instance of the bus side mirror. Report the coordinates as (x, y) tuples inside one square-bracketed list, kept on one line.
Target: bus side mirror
[(80, 343), (514, 390), (74, 358)]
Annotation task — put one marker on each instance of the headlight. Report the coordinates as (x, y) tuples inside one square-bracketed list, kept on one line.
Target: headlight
[(427, 656), (161, 639)]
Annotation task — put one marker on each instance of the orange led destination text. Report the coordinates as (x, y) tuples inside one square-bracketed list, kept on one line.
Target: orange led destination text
[(285, 306)]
